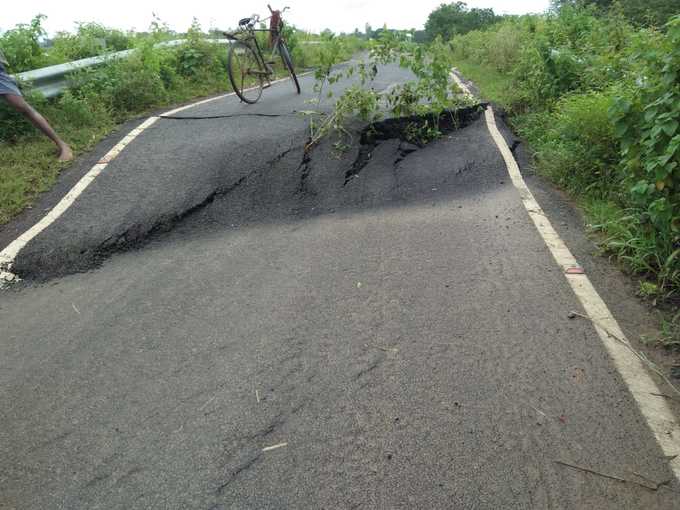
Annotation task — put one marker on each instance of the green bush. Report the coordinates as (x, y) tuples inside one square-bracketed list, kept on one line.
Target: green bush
[(575, 145), (90, 39), (646, 118), (21, 45), (197, 54)]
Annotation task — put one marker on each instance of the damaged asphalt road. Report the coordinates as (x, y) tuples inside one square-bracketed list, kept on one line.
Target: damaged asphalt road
[(176, 166), (380, 328)]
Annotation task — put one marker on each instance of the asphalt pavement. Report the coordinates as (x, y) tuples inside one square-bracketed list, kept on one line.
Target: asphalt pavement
[(220, 322)]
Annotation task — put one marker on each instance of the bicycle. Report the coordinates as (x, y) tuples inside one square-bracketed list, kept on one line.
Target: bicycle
[(246, 65)]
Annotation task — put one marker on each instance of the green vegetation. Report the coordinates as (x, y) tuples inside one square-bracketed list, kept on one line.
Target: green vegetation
[(101, 98), (422, 100), (22, 44), (595, 91)]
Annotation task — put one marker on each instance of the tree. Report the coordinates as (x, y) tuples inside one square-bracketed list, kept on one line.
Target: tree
[(455, 19)]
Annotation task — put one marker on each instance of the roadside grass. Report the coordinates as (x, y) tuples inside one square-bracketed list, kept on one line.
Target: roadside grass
[(492, 84), (29, 166), (101, 100)]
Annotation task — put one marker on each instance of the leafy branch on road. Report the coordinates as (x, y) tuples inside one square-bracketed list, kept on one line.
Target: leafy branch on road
[(431, 93)]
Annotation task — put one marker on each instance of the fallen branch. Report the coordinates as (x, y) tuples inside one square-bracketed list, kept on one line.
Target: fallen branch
[(663, 395), (385, 349), (652, 482), (627, 344), (652, 487)]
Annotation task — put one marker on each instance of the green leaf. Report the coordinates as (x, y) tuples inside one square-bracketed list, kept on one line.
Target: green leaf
[(670, 127), (620, 129), (651, 114)]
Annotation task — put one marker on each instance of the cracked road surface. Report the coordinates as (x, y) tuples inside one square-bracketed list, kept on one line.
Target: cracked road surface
[(401, 337)]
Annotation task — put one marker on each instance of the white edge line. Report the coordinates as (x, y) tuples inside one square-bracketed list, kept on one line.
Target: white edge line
[(656, 411), (9, 254)]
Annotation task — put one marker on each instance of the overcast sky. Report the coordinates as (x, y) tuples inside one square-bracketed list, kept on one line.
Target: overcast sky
[(339, 15)]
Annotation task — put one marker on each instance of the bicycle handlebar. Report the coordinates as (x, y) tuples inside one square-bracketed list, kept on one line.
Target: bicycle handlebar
[(282, 10)]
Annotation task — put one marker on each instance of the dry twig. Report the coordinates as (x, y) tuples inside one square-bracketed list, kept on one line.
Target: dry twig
[(641, 356), (653, 486)]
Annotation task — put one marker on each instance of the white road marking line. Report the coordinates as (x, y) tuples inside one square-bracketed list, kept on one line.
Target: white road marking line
[(9, 254), (656, 412)]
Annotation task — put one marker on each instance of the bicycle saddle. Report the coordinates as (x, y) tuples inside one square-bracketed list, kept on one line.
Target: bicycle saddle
[(245, 21)]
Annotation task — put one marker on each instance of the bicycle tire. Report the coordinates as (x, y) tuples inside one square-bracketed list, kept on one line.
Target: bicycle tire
[(248, 86), (288, 62)]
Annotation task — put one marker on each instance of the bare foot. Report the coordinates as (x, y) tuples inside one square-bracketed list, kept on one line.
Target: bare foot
[(65, 153)]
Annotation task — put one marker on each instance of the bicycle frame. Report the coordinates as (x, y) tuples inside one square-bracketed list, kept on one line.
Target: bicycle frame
[(256, 64), (250, 38), (275, 47)]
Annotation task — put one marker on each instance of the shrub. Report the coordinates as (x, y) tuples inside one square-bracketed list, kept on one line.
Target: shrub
[(21, 45), (90, 39), (575, 144), (647, 122), (197, 54)]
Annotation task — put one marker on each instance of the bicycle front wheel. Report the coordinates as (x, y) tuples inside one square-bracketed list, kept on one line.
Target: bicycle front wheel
[(288, 62), (246, 73)]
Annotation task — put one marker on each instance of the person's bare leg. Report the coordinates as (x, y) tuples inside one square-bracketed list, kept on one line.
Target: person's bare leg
[(20, 104)]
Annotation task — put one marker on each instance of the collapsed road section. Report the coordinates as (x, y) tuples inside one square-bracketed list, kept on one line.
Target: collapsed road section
[(129, 205)]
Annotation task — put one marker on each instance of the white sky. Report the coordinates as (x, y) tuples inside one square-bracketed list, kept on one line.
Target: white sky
[(339, 15)]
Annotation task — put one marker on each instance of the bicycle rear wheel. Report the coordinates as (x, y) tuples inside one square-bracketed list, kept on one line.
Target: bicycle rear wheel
[(288, 62), (246, 73)]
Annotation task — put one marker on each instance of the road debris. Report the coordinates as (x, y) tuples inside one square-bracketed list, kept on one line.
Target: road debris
[(575, 270), (74, 307), (257, 396), (385, 349), (270, 448), (663, 395), (651, 485), (542, 417), (640, 355), (7, 277), (675, 371), (208, 402)]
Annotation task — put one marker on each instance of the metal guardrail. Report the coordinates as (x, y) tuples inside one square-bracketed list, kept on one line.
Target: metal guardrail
[(53, 80)]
